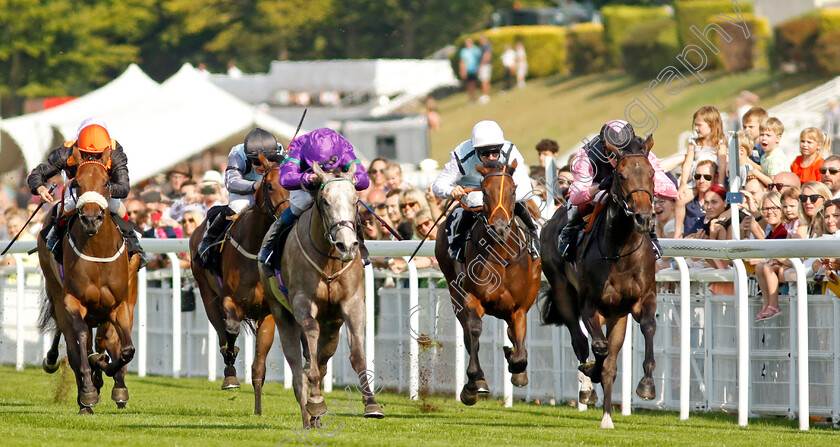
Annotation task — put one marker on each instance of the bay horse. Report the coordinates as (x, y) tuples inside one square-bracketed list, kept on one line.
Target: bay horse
[(612, 276), (237, 295), (324, 280), (94, 287), (499, 278)]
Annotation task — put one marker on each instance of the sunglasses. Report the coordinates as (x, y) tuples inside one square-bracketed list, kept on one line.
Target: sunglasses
[(376, 171), (408, 204), (255, 161), (378, 205), (489, 153), (369, 223), (708, 177), (812, 197), (777, 186), (832, 170)]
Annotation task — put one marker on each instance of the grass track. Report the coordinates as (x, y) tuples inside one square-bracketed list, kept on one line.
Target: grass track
[(195, 412)]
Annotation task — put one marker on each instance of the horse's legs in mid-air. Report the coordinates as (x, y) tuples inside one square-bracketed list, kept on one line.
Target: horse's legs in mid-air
[(616, 329), (304, 312), (354, 315), (646, 317), (108, 339), (232, 316), (600, 348), (122, 318), (217, 318), (77, 335), (290, 336), (471, 323), (517, 357), (265, 338), (51, 363)]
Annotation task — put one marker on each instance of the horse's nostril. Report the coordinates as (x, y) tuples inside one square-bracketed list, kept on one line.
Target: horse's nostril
[(340, 246)]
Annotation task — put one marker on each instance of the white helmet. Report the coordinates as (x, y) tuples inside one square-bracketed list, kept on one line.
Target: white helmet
[(487, 133)]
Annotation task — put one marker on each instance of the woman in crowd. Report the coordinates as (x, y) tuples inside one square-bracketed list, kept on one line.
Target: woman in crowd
[(767, 272), (814, 195)]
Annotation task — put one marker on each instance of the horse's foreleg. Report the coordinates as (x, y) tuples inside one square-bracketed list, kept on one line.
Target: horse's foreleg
[(354, 314), (122, 318), (593, 321), (265, 338), (315, 404), (233, 320), (647, 322), (77, 335), (517, 357), (111, 340), (50, 363), (471, 323), (616, 330), (290, 339)]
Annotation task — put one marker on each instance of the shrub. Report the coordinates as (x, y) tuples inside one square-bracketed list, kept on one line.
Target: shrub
[(650, 47), (827, 52), (795, 40), (587, 52), (829, 20), (698, 13), (544, 45), (618, 19), (743, 53)]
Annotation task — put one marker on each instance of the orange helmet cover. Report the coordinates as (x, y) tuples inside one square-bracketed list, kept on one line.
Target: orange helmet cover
[(93, 138)]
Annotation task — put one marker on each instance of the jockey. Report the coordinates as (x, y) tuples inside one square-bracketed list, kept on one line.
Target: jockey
[(330, 150), (593, 169), (243, 172), (486, 144), (92, 139)]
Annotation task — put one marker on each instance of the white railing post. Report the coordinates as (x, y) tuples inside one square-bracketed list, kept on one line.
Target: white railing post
[(627, 368), (212, 352), (21, 300), (802, 338), (370, 326), (249, 356), (328, 377), (176, 314), (507, 385), (414, 328), (142, 322), (742, 300), (460, 358), (685, 338)]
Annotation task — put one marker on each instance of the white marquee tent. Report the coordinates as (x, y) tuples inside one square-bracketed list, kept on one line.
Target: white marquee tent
[(158, 125)]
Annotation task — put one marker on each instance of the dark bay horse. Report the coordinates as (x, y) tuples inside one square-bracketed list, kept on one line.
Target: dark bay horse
[(324, 277), (238, 294), (499, 278), (613, 274), (94, 287)]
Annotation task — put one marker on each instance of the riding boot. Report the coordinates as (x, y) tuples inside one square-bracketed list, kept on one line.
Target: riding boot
[(286, 220), (56, 233), (134, 247), (521, 210), (657, 249), (363, 251), (457, 249), (568, 236), (212, 232)]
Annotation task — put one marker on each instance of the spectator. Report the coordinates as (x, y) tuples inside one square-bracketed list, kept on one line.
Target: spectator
[(689, 210), (422, 224), (14, 225), (767, 271), (717, 223), (509, 62), (370, 226), (547, 148), (830, 172), (376, 172), (138, 214), (774, 159), (212, 192), (751, 208), (827, 267), (562, 183), (411, 202), (233, 71), (813, 144), (394, 177), (745, 147), (521, 64), (790, 210), (470, 57), (751, 122), (392, 206), (743, 103), (176, 178), (192, 217), (190, 197), (434, 202), (432, 115), (156, 204), (813, 197), (832, 124), (664, 209), (485, 69)]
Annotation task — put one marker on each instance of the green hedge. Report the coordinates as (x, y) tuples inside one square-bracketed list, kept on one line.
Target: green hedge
[(699, 13), (795, 40), (827, 52), (650, 47), (829, 20), (618, 19), (742, 53), (586, 48), (544, 45)]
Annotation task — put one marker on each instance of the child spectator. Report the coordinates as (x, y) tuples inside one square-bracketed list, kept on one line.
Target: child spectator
[(791, 210), (707, 144), (547, 148), (750, 124), (774, 159), (813, 145), (394, 177)]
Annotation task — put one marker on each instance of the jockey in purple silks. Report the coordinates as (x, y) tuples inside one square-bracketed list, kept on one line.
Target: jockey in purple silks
[(331, 151)]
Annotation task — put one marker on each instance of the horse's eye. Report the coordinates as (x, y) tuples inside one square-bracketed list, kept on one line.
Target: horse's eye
[(621, 177)]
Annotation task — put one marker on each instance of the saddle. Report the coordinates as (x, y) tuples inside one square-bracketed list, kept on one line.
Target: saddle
[(213, 261)]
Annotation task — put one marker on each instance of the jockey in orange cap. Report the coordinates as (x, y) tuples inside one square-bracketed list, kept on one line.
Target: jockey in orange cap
[(92, 140)]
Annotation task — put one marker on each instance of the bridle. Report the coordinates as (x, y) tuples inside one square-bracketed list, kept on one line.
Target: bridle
[(500, 205), (621, 198), (331, 230), (270, 207)]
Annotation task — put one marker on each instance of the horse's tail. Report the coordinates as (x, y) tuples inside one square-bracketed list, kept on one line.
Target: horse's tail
[(548, 310), (46, 321)]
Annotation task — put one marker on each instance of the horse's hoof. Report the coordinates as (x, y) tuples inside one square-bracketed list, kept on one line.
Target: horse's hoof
[(89, 399), (607, 422), (316, 409), (230, 383), (96, 358), (467, 398), (600, 348), (120, 396), (646, 389), (374, 411), (50, 368), (482, 386), (519, 379), (85, 410)]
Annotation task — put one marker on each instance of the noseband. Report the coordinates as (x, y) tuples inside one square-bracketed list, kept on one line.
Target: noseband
[(93, 196), (498, 206), (620, 198), (332, 230)]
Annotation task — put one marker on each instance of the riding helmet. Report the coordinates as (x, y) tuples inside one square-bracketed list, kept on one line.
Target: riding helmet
[(258, 142), (322, 145), (618, 133), (487, 134), (94, 139)]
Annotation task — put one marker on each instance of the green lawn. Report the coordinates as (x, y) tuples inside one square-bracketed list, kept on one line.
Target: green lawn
[(195, 412), (569, 108)]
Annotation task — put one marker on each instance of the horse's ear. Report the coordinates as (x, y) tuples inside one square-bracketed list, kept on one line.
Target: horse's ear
[(512, 167), (77, 155), (106, 155), (648, 143), (264, 161), (316, 168), (351, 171), (482, 170)]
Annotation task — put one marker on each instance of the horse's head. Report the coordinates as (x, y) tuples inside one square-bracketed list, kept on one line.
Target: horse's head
[(632, 187), (336, 203), (270, 195), (499, 193), (92, 188)]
